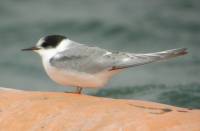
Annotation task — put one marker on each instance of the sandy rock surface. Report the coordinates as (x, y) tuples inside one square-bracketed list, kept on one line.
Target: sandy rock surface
[(53, 111)]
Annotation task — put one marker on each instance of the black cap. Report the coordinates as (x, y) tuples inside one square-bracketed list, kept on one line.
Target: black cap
[(51, 41)]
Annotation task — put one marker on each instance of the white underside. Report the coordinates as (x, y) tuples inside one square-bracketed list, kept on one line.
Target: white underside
[(78, 79)]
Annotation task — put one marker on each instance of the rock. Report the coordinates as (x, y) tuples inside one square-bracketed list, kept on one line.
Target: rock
[(55, 111)]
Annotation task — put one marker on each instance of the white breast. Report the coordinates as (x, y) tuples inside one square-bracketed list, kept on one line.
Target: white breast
[(78, 79)]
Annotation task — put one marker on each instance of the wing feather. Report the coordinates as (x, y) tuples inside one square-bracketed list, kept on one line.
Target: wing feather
[(131, 60), (86, 59), (81, 58)]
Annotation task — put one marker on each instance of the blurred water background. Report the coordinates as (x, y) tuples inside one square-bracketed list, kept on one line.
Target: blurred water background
[(139, 26)]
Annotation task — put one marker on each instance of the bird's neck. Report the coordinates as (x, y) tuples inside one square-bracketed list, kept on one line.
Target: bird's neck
[(46, 55)]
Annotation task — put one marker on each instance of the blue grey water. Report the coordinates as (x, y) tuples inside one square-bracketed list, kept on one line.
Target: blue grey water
[(138, 26)]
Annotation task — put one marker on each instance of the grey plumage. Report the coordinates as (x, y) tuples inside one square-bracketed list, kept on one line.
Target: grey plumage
[(82, 58), (141, 59)]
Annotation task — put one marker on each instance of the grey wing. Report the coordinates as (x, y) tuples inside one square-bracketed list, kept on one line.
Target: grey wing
[(125, 60), (81, 58), (93, 59)]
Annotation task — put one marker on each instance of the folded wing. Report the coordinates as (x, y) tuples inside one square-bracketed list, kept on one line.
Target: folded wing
[(131, 60), (92, 60)]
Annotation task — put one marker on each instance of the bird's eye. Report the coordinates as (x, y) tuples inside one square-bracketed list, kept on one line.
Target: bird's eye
[(46, 45)]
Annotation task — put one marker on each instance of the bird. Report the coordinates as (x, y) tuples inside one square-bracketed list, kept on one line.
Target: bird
[(70, 63)]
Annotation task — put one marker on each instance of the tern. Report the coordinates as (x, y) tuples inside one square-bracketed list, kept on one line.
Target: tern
[(70, 63)]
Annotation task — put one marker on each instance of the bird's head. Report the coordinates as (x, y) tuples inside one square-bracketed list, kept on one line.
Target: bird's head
[(48, 45)]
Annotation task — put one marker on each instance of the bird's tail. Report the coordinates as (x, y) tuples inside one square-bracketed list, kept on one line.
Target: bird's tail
[(141, 59), (168, 54)]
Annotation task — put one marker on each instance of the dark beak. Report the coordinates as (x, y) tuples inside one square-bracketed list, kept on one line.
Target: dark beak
[(31, 49)]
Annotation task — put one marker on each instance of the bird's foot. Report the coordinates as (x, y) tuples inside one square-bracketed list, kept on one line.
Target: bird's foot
[(78, 90)]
